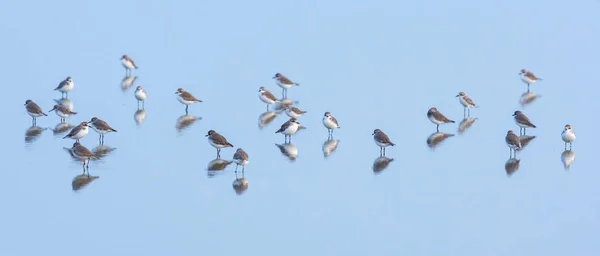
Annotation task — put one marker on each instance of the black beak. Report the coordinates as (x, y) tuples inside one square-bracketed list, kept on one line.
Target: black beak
[(25, 104), (176, 92), (274, 77), (206, 135), (456, 95)]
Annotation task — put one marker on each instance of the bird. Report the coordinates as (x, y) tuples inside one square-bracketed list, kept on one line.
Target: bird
[(65, 86), (528, 77), (284, 83), (330, 123), (568, 136), (240, 158), (33, 110), (217, 141), (62, 111), (186, 98), (289, 128), (382, 140), (101, 127), (140, 95), (294, 112), (82, 153), (78, 132), (466, 102), (522, 121), (128, 63), (267, 97), (513, 142), (437, 118)]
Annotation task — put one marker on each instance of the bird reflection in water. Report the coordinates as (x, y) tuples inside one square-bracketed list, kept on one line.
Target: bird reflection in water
[(288, 150), (284, 104), (465, 124), (185, 121), (139, 116), (216, 166), (65, 102), (240, 185), (528, 98), (567, 157), (102, 151), (33, 133), (329, 146), (82, 180), (525, 140), (127, 82), (436, 138), (381, 163), (266, 118), (61, 128), (512, 165)]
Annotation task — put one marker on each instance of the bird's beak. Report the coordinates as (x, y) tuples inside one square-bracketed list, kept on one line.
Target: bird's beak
[(52, 109), (206, 135), (513, 114), (274, 77), (456, 95), (176, 92)]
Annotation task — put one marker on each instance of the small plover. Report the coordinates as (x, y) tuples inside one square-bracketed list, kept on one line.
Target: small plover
[(467, 103), (140, 95), (82, 153), (101, 127), (294, 112), (528, 77), (62, 111), (284, 83), (513, 142), (568, 136), (78, 132), (437, 118), (522, 121), (65, 86), (382, 140), (240, 158), (128, 64), (267, 97), (289, 128), (186, 98), (33, 110), (330, 123), (217, 141)]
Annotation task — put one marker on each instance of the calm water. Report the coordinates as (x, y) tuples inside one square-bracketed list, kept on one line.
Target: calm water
[(151, 193)]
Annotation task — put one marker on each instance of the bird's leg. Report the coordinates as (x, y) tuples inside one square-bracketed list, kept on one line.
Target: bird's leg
[(524, 131), (236, 167), (267, 107), (565, 146), (468, 112), (464, 112), (143, 105), (218, 153), (384, 151), (243, 168), (186, 109), (527, 88), (138, 104), (437, 128)]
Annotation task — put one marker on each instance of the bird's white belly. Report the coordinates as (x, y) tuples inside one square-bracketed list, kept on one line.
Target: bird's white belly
[(80, 134), (217, 145), (464, 103), (67, 88), (435, 121), (186, 102), (381, 144), (291, 129), (568, 137), (35, 114), (285, 86), (522, 125), (527, 80), (265, 99), (139, 95), (291, 113), (100, 131), (240, 162), (329, 124), (61, 114), (128, 64)]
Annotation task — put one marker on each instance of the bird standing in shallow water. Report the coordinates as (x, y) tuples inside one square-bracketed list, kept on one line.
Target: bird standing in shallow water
[(65, 87), (467, 103), (240, 158), (437, 118), (289, 128), (568, 136), (522, 121), (284, 83), (186, 98), (101, 127), (218, 141), (128, 64), (513, 142), (528, 78), (140, 95), (33, 110), (382, 140), (78, 132), (330, 123), (267, 97)]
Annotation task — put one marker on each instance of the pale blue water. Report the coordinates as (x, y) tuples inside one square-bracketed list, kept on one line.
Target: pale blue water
[(377, 64)]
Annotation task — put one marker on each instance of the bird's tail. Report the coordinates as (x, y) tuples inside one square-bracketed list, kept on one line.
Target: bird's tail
[(451, 121), (44, 114), (297, 84), (392, 144), (229, 144), (73, 113), (66, 136), (113, 130), (278, 131)]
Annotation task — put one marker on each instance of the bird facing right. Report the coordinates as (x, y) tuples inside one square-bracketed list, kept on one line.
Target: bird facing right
[(513, 141), (217, 141), (568, 136), (382, 140), (330, 123), (437, 118), (240, 158)]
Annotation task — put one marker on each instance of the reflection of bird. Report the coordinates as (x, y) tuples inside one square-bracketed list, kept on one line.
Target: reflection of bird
[(289, 150), (294, 112), (513, 141), (436, 138), (82, 180), (381, 163), (568, 136), (511, 166), (240, 185), (289, 128), (522, 121), (184, 121), (34, 110), (128, 63), (78, 132), (218, 164), (240, 158), (525, 140), (437, 117), (382, 140), (101, 127), (266, 118), (139, 116), (528, 98), (267, 97), (186, 98), (466, 124), (467, 102), (61, 127), (330, 123), (127, 82), (32, 133), (65, 86), (329, 146), (217, 141), (567, 157), (140, 95), (528, 77)]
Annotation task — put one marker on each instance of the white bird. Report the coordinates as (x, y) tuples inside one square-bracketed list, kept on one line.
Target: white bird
[(568, 136), (140, 95)]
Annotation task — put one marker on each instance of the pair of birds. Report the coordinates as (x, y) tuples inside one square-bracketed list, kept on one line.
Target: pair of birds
[(81, 130), (436, 117), (218, 141), (35, 111), (514, 142)]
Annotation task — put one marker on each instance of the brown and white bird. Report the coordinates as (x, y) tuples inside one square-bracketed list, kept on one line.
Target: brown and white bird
[(522, 121), (140, 95), (284, 83), (467, 103), (33, 110), (101, 127), (217, 141), (62, 111), (528, 78), (240, 158), (65, 86), (186, 98), (289, 128), (267, 97), (128, 64), (294, 112), (78, 132), (513, 142), (437, 118), (82, 153), (568, 136), (382, 140), (330, 123)]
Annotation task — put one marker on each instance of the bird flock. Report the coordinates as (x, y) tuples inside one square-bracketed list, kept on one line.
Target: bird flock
[(64, 110)]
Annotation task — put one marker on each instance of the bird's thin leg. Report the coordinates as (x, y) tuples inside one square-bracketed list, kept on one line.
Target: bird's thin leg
[(66, 95), (464, 112), (186, 109), (437, 128), (143, 105), (243, 168), (468, 112), (524, 131), (527, 87), (138, 104), (384, 151), (218, 153), (565, 146), (267, 107), (236, 167)]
